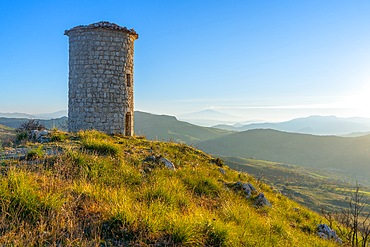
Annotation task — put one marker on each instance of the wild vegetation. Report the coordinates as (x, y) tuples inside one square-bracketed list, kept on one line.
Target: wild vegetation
[(92, 189)]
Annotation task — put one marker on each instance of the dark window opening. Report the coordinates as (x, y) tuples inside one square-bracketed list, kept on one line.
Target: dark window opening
[(128, 80)]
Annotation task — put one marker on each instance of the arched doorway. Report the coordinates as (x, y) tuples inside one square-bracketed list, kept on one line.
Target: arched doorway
[(128, 124)]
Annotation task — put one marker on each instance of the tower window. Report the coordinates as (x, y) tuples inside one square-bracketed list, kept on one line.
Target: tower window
[(128, 80)]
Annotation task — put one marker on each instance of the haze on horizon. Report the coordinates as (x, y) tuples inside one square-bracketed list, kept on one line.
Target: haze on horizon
[(258, 60)]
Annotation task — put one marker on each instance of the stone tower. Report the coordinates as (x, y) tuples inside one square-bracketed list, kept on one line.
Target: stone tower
[(101, 66)]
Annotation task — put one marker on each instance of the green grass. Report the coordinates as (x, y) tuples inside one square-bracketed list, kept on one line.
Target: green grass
[(85, 197)]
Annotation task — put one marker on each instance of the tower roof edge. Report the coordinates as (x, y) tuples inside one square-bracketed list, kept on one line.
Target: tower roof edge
[(103, 25)]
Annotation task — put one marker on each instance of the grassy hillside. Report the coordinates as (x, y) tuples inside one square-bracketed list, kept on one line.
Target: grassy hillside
[(350, 154), (162, 127), (313, 188), (97, 190)]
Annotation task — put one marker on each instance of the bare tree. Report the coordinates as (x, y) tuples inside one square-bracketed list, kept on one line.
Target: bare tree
[(354, 222), (31, 125), (356, 219)]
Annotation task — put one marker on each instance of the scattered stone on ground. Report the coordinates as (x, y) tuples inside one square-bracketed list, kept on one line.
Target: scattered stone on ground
[(168, 163), (262, 201), (158, 160), (248, 188), (325, 232), (41, 136)]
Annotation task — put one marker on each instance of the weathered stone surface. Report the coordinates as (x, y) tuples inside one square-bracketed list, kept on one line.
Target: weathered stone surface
[(325, 232), (157, 160), (39, 136), (101, 61), (167, 163), (248, 188), (262, 201)]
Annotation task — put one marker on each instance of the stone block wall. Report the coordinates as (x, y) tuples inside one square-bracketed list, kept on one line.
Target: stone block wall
[(101, 61)]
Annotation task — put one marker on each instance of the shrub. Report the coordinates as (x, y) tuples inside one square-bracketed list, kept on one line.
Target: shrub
[(35, 153), (58, 136), (218, 162), (22, 136)]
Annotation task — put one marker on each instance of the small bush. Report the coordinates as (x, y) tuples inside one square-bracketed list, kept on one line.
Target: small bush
[(22, 136), (35, 153), (218, 162), (58, 136)]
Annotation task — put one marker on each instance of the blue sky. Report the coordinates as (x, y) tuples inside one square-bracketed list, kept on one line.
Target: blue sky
[(265, 60)]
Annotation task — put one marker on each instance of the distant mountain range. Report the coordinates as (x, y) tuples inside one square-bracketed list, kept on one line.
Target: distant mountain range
[(208, 118), (57, 114), (316, 125)]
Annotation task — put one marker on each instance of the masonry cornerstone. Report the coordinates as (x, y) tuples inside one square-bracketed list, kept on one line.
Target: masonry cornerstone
[(101, 61)]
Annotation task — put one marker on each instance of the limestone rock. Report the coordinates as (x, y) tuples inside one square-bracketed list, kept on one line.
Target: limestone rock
[(325, 232), (262, 201), (248, 188), (167, 163), (39, 136)]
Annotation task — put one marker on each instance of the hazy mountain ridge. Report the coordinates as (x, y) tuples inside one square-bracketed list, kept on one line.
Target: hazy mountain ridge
[(53, 115), (208, 118), (317, 125)]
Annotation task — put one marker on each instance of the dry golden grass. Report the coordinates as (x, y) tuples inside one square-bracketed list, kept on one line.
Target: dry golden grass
[(88, 197)]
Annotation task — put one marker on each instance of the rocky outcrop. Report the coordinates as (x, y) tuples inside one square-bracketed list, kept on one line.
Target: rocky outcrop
[(167, 163), (248, 188), (41, 136), (325, 232), (152, 162), (262, 201)]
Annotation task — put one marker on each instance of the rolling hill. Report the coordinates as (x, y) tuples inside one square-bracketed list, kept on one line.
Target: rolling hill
[(349, 154), (162, 127)]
